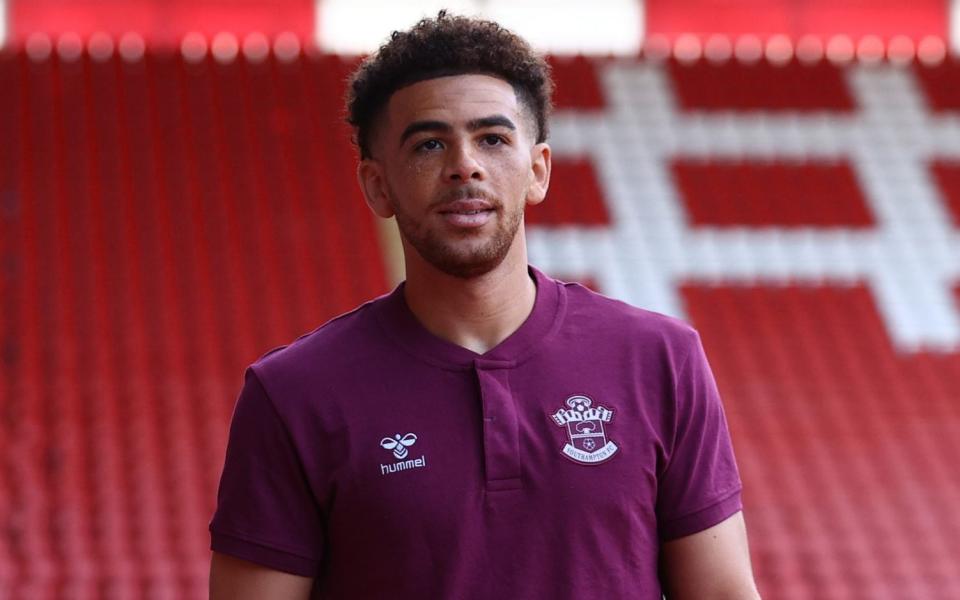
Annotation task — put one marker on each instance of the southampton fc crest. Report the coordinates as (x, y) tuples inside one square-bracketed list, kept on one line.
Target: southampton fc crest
[(587, 441)]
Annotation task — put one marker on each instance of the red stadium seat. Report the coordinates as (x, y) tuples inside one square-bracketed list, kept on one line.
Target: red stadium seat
[(172, 221)]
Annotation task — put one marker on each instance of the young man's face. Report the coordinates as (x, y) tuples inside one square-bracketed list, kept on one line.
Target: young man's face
[(455, 160)]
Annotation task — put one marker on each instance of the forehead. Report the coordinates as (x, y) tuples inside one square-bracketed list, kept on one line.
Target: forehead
[(452, 99)]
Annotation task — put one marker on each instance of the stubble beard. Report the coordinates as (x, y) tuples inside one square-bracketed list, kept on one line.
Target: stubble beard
[(455, 254)]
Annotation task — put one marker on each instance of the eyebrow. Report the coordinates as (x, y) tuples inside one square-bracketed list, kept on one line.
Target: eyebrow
[(441, 126), (491, 121)]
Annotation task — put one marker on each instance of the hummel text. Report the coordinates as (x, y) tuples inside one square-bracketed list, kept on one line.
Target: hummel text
[(414, 463)]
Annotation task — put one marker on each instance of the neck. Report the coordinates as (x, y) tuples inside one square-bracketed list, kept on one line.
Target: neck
[(476, 313)]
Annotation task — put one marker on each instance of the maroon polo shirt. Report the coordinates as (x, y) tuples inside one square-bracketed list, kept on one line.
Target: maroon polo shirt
[(388, 463)]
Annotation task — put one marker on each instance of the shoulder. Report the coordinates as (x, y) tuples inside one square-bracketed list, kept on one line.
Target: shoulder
[(621, 323), (341, 341)]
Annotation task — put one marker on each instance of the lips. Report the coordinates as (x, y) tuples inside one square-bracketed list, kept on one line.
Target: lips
[(468, 213), (469, 205)]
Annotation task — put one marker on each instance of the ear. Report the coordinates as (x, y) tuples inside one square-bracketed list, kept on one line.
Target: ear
[(374, 186), (540, 173)]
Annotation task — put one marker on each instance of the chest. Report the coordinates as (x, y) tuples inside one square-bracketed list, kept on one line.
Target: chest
[(438, 445)]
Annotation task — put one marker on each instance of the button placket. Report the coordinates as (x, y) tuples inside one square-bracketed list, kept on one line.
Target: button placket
[(501, 427)]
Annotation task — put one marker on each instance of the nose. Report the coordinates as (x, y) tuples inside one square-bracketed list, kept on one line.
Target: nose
[(462, 165)]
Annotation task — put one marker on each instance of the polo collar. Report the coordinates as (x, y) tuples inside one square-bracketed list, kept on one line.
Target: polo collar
[(403, 328)]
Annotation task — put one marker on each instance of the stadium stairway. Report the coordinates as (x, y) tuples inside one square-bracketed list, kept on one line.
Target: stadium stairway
[(163, 221), (804, 217)]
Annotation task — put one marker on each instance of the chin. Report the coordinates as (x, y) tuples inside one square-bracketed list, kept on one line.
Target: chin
[(466, 267), (462, 256)]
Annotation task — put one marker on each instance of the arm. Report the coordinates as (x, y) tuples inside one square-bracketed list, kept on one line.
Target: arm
[(235, 579), (713, 564), (264, 495)]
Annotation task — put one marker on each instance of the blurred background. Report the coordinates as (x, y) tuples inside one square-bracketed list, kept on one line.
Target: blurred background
[(177, 196)]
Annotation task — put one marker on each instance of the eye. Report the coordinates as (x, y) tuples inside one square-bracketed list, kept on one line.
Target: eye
[(492, 139), (430, 144)]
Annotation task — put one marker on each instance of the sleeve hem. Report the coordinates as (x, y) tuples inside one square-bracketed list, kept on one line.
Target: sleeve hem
[(267, 556), (725, 507)]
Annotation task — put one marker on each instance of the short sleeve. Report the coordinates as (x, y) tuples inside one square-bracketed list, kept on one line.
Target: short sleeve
[(266, 512), (699, 486)]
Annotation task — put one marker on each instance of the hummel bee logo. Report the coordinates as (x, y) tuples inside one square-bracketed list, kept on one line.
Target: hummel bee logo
[(587, 441), (399, 445)]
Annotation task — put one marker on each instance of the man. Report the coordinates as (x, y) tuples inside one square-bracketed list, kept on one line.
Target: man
[(483, 431)]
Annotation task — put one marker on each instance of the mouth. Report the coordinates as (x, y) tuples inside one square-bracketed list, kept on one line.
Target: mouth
[(468, 213)]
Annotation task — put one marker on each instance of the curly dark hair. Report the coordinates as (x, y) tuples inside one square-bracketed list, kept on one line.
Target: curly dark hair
[(447, 45)]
